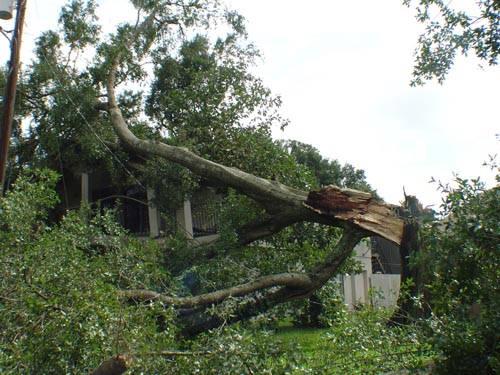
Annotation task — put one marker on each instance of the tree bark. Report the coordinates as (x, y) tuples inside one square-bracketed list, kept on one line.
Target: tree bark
[(292, 280), (113, 366)]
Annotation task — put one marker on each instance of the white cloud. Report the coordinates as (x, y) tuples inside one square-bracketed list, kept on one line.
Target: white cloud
[(344, 73)]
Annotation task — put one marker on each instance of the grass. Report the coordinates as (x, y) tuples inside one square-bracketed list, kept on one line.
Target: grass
[(308, 339), (358, 343)]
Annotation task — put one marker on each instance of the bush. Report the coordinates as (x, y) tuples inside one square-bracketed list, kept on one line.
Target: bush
[(59, 307), (464, 245), (59, 311)]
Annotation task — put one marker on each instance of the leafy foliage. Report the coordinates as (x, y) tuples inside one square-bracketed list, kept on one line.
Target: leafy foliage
[(59, 311), (464, 292), (203, 97), (451, 30)]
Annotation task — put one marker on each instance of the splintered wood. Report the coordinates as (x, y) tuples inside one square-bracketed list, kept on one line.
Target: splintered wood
[(358, 208)]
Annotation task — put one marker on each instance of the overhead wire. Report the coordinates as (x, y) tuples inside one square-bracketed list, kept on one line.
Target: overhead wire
[(87, 123)]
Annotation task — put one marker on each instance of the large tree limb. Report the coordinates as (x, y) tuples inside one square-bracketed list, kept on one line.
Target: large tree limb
[(273, 290), (291, 280), (358, 213), (330, 206)]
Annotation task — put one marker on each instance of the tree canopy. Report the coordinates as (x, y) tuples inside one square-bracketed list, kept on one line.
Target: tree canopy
[(452, 28)]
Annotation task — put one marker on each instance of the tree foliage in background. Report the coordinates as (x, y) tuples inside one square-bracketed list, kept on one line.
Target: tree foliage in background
[(327, 172), (206, 100), (452, 28)]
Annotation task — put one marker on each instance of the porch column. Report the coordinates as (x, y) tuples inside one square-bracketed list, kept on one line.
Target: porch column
[(85, 189), (153, 215), (353, 289), (185, 220)]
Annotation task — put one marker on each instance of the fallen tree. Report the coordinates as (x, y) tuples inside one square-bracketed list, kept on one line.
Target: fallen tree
[(109, 119), (359, 214)]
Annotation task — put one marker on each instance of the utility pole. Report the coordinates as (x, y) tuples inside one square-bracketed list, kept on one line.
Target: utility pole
[(10, 89)]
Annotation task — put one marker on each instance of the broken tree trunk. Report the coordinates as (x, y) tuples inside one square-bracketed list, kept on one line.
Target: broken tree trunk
[(411, 276)]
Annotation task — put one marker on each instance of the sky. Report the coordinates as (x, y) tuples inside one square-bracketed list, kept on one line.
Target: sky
[(343, 70)]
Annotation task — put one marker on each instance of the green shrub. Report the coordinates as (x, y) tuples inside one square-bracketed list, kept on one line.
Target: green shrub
[(59, 307), (59, 311), (464, 245)]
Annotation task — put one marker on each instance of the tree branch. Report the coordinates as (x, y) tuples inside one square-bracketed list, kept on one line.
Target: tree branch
[(291, 286), (291, 280), (199, 320), (284, 205)]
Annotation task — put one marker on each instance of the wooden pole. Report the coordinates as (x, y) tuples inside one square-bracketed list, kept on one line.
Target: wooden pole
[(10, 90), (113, 366)]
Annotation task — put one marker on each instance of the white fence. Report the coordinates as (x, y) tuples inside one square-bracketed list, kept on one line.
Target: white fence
[(385, 290), (380, 290)]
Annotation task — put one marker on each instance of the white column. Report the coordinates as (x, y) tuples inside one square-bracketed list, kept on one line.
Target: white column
[(365, 286), (153, 214), (353, 289), (185, 220)]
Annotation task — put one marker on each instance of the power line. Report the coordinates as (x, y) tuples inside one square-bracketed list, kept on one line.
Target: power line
[(86, 122)]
